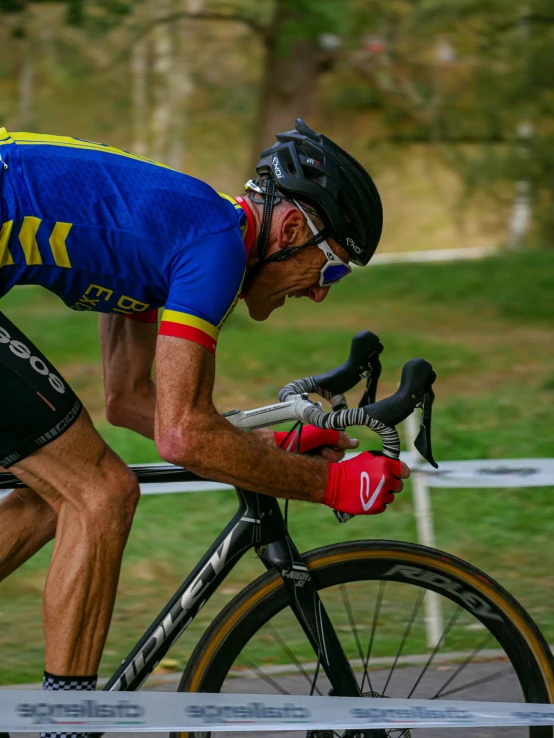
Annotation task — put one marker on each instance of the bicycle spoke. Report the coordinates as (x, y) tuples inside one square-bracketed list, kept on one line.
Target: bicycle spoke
[(413, 616), (256, 669), (376, 612), (434, 652), (351, 621), (483, 680), (277, 637), (477, 650), (316, 674), (354, 629)]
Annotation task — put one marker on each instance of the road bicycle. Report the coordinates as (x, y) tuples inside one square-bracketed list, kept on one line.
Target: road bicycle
[(345, 619)]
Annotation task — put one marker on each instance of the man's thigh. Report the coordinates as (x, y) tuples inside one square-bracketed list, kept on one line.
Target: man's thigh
[(78, 467), (46, 437), (37, 405)]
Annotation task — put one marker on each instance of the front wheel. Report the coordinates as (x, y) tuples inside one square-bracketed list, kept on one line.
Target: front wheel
[(488, 648)]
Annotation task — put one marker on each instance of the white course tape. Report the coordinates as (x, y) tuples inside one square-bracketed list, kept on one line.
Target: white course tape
[(488, 473), (126, 712), (451, 474)]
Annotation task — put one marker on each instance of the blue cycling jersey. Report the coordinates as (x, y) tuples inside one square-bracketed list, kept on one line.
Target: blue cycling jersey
[(113, 232)]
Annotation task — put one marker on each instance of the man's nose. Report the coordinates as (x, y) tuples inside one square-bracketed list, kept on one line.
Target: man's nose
[(318, 294)]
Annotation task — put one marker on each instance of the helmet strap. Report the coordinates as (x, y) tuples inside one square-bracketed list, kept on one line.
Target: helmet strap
[(270, 199), (270, 195), (283, 254)]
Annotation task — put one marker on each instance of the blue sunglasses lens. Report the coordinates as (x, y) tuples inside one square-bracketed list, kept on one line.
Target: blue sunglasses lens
[(334, 273)]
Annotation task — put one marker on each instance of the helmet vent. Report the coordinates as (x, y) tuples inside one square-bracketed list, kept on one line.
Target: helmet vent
[(314, 152)]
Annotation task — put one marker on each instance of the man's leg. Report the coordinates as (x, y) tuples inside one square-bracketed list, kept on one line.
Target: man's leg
[(94, 495), (27, 523)]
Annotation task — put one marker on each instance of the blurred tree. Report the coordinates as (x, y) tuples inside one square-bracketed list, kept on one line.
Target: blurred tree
[(139, 75), (29, 25), (475, 72), (161, 40), (163, 61), (299, 42), (295, 55), (21, 28), (183, 80), (162, 77)]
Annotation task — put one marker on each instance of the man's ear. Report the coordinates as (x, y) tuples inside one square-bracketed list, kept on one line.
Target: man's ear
[(292, 229)]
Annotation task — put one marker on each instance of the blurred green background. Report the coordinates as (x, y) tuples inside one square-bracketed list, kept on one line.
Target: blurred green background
[(449, 105)]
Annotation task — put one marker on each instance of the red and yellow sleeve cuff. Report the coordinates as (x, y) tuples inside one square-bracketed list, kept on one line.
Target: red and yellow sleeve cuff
[(182, 325)]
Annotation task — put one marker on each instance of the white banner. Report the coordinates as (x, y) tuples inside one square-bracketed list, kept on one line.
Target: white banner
[(136, 712), (485, 473), (488, 473)]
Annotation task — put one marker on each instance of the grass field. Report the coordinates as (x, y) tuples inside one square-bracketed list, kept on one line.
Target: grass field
[(488, 330)]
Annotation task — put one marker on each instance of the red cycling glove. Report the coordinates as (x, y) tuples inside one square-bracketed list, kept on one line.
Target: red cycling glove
[(311, 438), (364, 485)]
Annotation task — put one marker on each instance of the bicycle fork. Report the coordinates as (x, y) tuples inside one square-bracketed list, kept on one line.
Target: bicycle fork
[(310, 612)]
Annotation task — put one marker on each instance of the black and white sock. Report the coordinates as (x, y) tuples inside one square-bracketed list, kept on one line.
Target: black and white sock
[(78, 683)]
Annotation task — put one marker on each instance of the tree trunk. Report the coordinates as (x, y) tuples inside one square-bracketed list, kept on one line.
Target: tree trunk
[(139, 73), (289, 79), (162, 97), (182, 82), (26, 76)]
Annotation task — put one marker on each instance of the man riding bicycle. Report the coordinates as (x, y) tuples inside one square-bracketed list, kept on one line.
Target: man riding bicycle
[(116, 233)]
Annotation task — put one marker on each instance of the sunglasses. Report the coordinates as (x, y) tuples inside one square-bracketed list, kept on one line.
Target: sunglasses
[(334, 268)]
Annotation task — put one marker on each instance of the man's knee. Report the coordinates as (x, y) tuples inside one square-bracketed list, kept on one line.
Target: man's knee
[(111, 502)]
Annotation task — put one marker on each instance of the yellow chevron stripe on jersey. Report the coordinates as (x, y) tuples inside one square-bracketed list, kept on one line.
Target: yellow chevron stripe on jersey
[(5, 256), (173, 316), (43, 139), (28, 239), (57, 243)]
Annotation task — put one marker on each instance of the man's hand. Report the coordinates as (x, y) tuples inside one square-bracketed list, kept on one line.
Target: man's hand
[(191, 433), (328, 444), (364, 485)]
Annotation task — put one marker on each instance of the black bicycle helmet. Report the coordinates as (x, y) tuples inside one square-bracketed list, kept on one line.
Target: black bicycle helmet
[(308, 166)]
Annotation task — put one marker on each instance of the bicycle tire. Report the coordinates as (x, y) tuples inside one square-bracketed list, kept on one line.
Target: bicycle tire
[(356, 561)]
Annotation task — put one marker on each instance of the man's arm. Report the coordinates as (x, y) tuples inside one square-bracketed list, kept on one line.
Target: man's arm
[(190, 432), (128, 351)]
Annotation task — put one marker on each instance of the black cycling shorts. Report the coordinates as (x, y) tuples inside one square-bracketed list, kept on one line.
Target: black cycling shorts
[(36, 404)]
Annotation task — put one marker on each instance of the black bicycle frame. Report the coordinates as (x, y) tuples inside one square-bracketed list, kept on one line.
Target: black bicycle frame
[(258, 524)]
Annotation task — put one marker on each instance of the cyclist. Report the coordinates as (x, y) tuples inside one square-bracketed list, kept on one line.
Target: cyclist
[(118, 234)]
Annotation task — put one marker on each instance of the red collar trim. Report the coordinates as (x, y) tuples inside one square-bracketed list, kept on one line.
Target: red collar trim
[(250, 232)]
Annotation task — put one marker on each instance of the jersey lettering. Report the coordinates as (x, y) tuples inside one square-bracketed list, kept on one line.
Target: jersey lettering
[(128, 306)]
